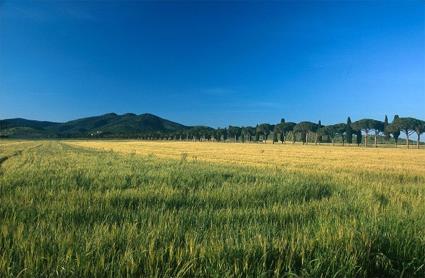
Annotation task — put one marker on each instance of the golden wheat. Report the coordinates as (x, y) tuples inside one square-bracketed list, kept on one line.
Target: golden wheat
[(311, 158)]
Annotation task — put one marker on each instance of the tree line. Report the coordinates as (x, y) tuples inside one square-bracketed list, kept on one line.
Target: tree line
[(305, 132)]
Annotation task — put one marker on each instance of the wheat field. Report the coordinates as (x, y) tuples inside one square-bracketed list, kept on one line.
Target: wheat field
[(306, 158), (198, 209)]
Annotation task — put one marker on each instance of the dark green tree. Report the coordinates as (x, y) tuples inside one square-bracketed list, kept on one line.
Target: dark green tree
[(394, 130), (318, 137), (257, 134), (287, 129), (250, 131), (244, 134), (283, 129), (218, 134), (386, 132), (378, 127), (419, 129), (349, 131), (362, 126), (277, 132), (406, 125), (264, 130), (328, 131), (275, 140), (358, 137), (341, 130), (305, 129), (367, 125), (225, 134), (234, 132)]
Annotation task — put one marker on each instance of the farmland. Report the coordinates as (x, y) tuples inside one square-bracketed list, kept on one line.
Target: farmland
[(185, 209)]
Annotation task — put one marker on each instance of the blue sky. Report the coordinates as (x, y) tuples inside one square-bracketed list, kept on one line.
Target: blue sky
[(213, 63)]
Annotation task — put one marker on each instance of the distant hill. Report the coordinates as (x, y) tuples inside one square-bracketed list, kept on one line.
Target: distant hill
[(18, 122), (108, 125)]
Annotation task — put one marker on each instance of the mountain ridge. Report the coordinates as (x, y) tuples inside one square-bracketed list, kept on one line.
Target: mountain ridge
[(106, 125)]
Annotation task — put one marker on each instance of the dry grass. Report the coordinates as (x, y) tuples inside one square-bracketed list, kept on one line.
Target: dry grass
[(310, 158)]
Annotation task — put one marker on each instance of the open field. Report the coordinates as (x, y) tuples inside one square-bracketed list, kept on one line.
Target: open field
[(117, 208), (289, 157)]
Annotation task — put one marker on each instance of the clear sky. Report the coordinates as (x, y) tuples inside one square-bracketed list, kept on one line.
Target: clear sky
[(213, 63)]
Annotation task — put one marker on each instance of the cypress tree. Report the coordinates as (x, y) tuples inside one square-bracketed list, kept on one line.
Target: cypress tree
[(257, 134), (359, 137), (274, 137), (318, 135), (395, 130), (386, 132), (349, 131)]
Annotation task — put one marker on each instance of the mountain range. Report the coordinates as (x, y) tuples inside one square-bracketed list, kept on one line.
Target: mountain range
[(109, 125)]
